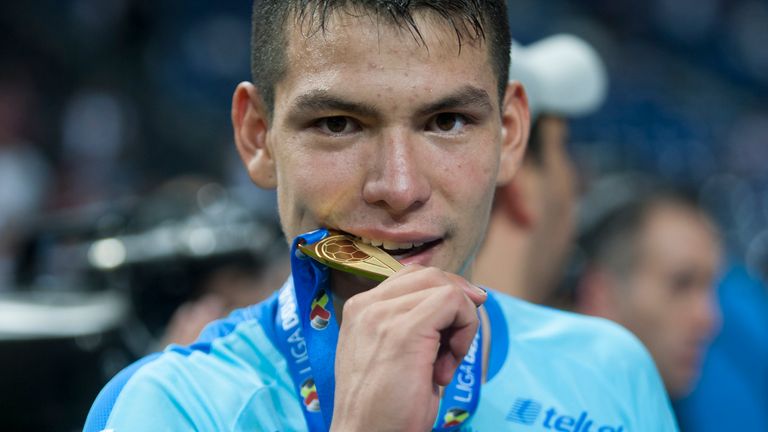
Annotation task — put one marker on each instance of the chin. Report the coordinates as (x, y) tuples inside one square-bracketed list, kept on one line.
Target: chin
[(684, 386), (679, 392)]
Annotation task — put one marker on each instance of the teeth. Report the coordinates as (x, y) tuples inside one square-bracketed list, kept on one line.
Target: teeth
[(396, 246), (390, 245)]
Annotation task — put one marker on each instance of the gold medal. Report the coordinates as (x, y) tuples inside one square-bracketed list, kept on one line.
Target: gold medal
[(342, 252)]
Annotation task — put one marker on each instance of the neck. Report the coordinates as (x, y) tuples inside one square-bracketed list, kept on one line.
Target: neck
[(503, 259)]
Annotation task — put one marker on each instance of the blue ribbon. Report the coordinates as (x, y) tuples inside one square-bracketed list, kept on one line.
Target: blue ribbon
[(461, 396), (307, 334)]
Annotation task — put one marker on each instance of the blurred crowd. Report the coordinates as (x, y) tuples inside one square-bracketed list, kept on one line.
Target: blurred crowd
[(120, 188)]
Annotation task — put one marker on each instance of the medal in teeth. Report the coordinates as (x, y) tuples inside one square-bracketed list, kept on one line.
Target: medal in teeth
[(362, 257)]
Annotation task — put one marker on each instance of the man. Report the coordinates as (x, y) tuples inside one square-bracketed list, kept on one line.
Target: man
[(531, 226), (391, 121), (651, 266)]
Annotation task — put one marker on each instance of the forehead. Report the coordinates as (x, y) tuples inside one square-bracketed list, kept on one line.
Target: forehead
[(673, 230), (378, 51)]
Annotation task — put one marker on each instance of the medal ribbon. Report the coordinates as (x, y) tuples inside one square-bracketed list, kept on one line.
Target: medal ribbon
[(307, 334)]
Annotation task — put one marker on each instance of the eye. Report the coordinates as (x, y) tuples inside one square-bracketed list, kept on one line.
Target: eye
[(337, 125), (447, 123), (682, 282)]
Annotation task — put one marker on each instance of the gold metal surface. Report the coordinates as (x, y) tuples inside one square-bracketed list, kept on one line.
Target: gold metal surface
[(342, 252)]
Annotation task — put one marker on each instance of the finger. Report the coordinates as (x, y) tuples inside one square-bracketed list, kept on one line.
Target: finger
[(388, 331), (476, 293), (391, 311), (445, 311), (390, 317), (415, 278)]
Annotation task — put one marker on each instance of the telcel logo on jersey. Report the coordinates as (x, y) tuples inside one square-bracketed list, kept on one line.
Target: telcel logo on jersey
[(319, 315), (526, 411)]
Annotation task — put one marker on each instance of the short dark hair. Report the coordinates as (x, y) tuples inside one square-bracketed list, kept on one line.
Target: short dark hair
[(484, 20), (533, 151), (613, 243)]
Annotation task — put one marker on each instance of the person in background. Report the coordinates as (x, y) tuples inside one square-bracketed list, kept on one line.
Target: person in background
[(651, 265), (531, 226)]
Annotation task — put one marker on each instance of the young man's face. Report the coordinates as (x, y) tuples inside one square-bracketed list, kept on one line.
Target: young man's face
[(670, 303), (382, 138)]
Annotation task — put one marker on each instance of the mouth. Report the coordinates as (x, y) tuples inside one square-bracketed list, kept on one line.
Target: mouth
[(401, 250), (417, 251)]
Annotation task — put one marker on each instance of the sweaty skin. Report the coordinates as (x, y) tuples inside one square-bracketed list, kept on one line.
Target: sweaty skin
[(376, 135)]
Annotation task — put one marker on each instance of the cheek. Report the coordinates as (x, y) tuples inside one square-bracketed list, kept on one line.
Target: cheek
[(661, 313), (470, 184), (471, 177), (655, 306), (312, 186), (645, 304)]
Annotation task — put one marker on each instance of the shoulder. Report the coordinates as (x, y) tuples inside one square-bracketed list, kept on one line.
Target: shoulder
[(579, 362), (207, 384), (575, 335)]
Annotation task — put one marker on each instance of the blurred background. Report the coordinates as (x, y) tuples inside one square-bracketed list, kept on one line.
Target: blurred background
[(122, 199)]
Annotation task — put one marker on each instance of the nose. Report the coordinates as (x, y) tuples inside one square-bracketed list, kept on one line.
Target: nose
[(707, 313), (397, 181)]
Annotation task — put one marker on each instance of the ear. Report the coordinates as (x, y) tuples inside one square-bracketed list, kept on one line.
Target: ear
[(512, 200), (251, 124), (596, 295), (515, 127)]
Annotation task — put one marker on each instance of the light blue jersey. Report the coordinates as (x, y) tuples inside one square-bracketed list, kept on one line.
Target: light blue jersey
[(548, 370)]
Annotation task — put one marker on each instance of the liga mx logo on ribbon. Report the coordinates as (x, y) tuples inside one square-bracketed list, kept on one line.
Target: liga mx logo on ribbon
[(319, 315), (454, 417), (309, 395)]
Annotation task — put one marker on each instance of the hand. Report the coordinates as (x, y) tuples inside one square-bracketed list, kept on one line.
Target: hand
[(397, 343)]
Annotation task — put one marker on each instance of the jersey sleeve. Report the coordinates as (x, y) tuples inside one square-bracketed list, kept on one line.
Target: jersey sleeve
[(146, 404), (234, 382), (653, 405), (650, 402), (158, 400)]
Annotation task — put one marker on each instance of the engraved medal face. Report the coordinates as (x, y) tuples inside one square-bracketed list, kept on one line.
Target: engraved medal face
[(344, 253)]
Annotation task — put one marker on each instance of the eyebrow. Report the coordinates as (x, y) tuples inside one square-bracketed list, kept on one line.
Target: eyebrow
[(322, 100), (467, 96)]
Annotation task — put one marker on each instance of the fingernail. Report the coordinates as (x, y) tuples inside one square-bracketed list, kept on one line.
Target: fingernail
[(478, 289)]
